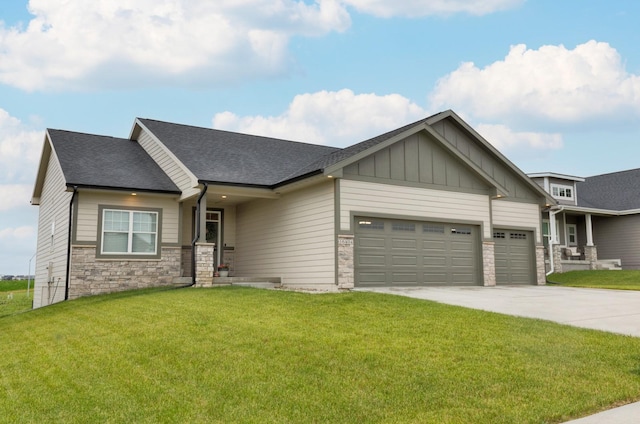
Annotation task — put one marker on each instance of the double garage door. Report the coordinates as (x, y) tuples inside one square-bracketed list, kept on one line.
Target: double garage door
[(391, 252)]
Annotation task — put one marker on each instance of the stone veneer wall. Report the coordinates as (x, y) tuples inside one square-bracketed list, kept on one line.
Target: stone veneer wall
[(556, 257), (90, 276), (346, 275), (489, 262), (186, 261), (591, 256), (204, 263), (541, 271)]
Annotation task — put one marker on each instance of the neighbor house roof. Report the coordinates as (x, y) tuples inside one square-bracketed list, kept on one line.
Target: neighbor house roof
[(617, 191), (106, 162), (217, 156)]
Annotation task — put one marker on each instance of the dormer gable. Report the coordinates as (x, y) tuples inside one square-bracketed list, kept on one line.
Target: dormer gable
[(562, 187)]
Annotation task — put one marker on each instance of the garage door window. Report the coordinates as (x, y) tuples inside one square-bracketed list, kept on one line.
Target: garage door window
[(371, 224), (499, 235), (403, 226), (433, 228), (518, 236), (461, 230)]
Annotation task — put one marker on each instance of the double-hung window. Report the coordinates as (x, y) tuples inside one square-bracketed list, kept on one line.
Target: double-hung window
[(129, 232)]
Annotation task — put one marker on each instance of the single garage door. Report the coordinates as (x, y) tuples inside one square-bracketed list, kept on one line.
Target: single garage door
[(391, 252), (514, 257)]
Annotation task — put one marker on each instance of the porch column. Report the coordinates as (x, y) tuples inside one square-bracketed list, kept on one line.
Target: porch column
[(587, 219), (203, 219), (489, 263)]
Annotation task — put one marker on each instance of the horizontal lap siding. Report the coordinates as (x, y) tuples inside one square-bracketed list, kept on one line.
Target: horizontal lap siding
[(166, 162), (618, 238), (450, 206), (87, 229), (292, 237), (54, 208), (517, 215)]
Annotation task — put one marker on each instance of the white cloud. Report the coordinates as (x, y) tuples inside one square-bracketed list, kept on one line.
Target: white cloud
[(84, 45), (14, 196), (25, 232), (413, 8), (552, 84), (20, 149), (505, 139), (336, 118)]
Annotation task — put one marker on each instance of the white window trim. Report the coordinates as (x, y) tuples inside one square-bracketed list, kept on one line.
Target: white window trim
[(130, 233), (562, 186)]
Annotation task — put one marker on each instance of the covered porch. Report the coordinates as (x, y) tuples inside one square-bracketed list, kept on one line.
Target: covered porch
[(569, 240)]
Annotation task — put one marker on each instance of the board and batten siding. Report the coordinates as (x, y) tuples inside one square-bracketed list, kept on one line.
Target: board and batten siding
[(292, 237), (87, 218), (53, 230), (167, 162), (517, 215), (450, 206)]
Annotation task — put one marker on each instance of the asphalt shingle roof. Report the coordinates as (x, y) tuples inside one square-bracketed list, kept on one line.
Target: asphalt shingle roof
[(234, 158), (616, 191), (108, 162)]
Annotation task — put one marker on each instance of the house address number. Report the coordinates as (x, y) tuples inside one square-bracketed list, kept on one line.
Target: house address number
[(345, 241)]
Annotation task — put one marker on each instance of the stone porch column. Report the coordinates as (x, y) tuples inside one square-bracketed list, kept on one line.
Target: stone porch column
[(541, 272), (346, 274), (556, 257), (204, 264), (591, 256), (489, 263)]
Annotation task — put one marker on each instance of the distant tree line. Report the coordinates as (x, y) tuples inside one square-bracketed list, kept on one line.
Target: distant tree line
[(16, 277)]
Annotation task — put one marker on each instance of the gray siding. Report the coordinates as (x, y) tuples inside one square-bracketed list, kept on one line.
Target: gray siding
[(484, 159), (419, 160), (517, 215), (53, 226), (292, 237), (169, 164), (372, 199), (618, 238)]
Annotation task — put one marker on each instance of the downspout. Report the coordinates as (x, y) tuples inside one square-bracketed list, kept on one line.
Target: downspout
[(552, 230), (196, 237), (66, 285)]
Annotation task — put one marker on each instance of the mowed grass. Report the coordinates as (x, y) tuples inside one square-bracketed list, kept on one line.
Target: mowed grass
[(255, 356), (599, 279), (14, 298)]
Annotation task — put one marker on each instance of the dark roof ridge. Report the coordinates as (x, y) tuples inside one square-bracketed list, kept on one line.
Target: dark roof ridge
[(614, 172), (235, 132)]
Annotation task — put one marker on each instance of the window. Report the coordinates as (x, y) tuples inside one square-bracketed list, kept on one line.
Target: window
[(371, 224), (433, 228), (129, 232), (572, 235), (403, 226), (518, 236), (562, 191), (499, 235), (461, 230)]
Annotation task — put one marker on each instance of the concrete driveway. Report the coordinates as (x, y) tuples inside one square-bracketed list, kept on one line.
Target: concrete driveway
[(616, 311)]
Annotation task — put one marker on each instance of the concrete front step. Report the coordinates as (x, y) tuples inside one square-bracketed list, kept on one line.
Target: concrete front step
[(257, 282)]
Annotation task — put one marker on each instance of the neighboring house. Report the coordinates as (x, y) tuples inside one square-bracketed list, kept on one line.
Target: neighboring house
[(595, 223), (426, 204)]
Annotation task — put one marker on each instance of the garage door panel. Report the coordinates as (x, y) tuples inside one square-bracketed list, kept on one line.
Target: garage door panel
[(399, 243), (376, 260), (371, 242), (417, 253), (404, 277), (437, 245), (404, 260), (514, 261)]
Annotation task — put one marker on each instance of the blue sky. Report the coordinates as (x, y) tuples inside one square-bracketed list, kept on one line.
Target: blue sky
[(555, 85)]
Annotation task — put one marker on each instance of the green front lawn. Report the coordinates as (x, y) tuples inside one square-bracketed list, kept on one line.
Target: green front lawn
[(245, 355), (599, 279)]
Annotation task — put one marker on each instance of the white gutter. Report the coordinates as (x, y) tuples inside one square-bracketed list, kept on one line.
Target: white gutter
[(552, 239)]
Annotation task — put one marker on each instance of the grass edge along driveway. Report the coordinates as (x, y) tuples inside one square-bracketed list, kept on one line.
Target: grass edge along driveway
[(247, 355)]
